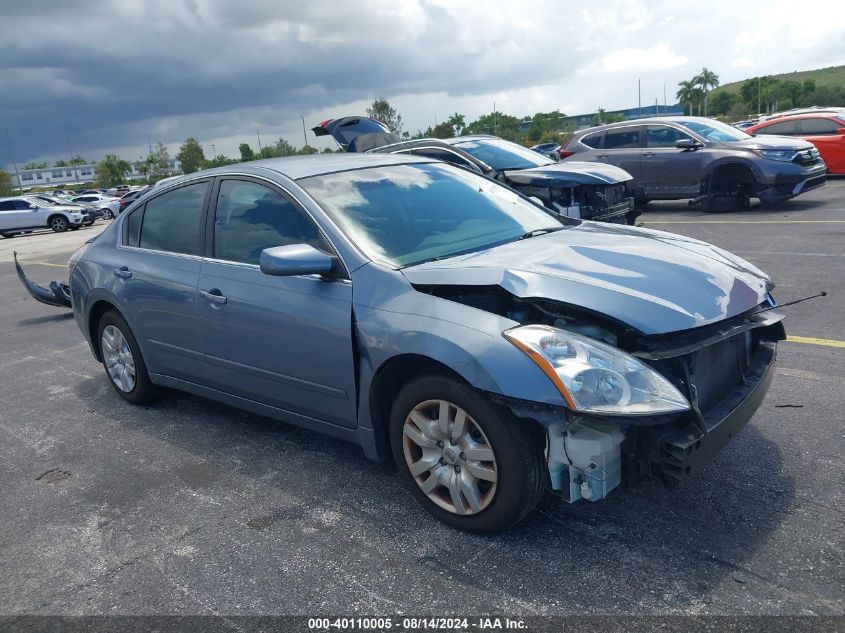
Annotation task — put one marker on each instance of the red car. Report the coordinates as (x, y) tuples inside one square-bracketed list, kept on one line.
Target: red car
[(825, 131)]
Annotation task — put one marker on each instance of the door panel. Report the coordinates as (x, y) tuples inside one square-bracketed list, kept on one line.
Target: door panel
[(622, 147), (669, 172), (283, 341)]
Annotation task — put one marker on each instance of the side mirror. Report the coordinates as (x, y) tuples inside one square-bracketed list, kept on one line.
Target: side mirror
[(295, 259), (841, 131), (687, 143)]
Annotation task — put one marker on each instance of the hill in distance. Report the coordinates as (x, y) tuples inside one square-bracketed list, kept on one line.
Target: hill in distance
[(832, 76)]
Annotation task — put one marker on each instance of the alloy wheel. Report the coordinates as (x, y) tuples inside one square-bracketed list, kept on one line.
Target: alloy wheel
[(450, 457), (117, 355)]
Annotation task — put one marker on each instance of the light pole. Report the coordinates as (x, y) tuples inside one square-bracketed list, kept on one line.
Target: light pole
[(14, 162), (304, 135), (73, 163)]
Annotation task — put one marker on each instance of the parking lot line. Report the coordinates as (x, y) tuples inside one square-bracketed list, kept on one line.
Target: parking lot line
[(744, 222), (809, 340)]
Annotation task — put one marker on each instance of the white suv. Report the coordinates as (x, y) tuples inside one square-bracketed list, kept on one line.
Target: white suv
[(19, 215)]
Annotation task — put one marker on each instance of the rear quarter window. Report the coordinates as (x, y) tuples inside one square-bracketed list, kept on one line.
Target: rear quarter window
[(593, 140)]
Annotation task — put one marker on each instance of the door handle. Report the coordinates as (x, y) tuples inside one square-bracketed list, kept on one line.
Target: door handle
[(648, 153), (123, 272), (213, 296), (602, 155)]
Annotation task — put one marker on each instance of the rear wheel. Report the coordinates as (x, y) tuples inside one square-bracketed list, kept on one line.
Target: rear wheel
[(107, 214), (468, 462), (122, 360), (59, 223)]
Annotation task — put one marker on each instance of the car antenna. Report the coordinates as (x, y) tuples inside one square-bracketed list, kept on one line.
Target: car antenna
[(789, 303)]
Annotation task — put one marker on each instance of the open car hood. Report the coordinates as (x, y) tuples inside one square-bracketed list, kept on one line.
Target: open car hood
[(356, 133), (568, 174), (653, 281)]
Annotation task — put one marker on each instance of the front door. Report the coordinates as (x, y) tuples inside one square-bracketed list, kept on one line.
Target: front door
[(282, 341), (669, 172)]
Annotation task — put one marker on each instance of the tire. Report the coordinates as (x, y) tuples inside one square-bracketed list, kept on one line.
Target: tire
[(726, 204), (107, 214), (113, 353), (510, 465), (59, 223)]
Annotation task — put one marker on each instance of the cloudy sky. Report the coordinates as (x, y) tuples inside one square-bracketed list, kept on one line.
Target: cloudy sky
[(115, 75)]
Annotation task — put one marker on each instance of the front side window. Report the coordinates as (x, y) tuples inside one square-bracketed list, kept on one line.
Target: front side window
[(664, 136), (715, 130), (819, 127), (406, 214), (622, 139), (172, 221), (251, 217), (445, 155)]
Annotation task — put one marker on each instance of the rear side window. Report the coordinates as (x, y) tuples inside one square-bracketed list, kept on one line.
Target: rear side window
[(784, 128), (593, 140), (819, 126), (621, 139), (8, 205), (133, 227), (172, 221), (251, 217)]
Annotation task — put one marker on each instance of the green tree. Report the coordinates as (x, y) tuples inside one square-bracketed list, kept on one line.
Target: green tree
[(706, 80), (686, 94), (307, 150), (220, 161), (496, 123), (34, 165), (191, 155), (246, 152), (383, 111), (6, 188), (602, 117), (60, 163), (283, 148), (722, 102), (443, 129), (77, 160), (458, 123), (111, 170)]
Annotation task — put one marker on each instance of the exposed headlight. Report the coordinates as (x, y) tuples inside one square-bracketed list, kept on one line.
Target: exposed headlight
[(777, 154), (594, 377)]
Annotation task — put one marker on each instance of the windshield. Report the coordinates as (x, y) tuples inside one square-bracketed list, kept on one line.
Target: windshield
[(501, 154), (406, 214), (715, 130)]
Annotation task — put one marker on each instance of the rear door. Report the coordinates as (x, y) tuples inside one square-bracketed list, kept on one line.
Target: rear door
[(622, 147), (11, 216), (822, 132), (281, 341), (669, 172), (160, 257)]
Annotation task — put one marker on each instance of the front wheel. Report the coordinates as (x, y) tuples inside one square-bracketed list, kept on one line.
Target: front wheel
[(107, 214), (59, 224), (726, 204), (470, 463)]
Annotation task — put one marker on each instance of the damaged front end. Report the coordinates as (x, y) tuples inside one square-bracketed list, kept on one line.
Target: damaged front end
[(56, 294), (585, 191), (712, 379)]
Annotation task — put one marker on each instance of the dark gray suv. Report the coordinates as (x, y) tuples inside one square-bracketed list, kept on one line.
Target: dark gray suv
[(713, 163)]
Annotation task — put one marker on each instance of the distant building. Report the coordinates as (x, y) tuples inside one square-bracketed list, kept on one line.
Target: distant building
[(62, 177), (581, 121)]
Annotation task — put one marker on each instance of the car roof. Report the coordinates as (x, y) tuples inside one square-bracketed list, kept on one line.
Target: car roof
[(296, 167), (643, 121), (826, 114)]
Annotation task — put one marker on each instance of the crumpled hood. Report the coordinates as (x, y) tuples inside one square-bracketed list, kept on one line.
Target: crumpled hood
[(772, 142), (569, 173), (654, 281)]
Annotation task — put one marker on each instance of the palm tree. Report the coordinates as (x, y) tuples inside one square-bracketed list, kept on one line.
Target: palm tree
[(686, 93), (706, 80)]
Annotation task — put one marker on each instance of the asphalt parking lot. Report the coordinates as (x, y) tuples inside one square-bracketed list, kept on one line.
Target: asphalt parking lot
[(189, 507)]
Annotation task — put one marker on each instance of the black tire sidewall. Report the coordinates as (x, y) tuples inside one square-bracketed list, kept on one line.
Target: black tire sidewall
[(516, 443), (144, 390)]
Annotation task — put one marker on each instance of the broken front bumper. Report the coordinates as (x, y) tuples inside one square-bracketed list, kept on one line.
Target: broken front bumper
[(58, 294), (685, 450)]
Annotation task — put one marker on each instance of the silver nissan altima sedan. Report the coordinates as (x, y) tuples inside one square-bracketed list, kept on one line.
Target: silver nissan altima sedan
[(434, 317)]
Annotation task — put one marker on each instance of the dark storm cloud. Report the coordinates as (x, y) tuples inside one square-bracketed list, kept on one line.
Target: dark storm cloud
[(115, 74)]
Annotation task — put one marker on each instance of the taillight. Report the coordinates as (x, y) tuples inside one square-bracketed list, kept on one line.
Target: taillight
[(564, 153)]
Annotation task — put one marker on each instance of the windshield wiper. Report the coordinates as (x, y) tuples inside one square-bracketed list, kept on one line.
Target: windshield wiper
[(535, 232)]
